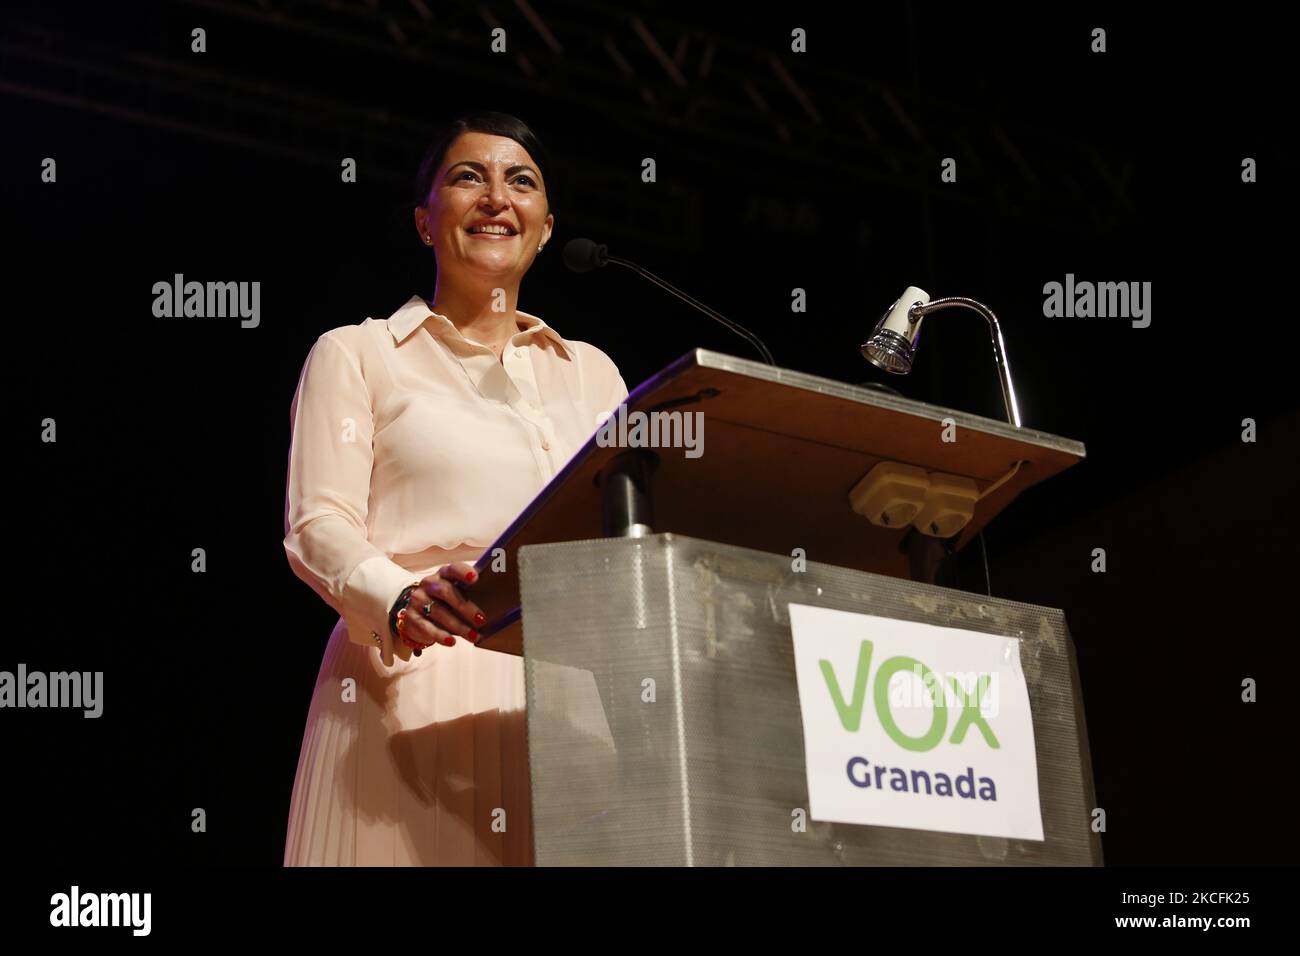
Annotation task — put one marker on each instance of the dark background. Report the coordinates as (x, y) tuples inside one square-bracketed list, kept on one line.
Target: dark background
[(173, 434)]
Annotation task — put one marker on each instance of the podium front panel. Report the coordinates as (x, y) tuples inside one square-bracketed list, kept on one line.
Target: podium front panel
[(664, 723)]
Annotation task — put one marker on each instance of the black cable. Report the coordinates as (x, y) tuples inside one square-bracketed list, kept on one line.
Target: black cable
[(988, 587)]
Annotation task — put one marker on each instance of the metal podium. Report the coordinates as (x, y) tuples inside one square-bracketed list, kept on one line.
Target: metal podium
[(648, 593)]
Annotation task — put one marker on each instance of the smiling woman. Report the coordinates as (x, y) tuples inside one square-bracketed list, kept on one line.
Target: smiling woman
[(481, 205), (415, 442)]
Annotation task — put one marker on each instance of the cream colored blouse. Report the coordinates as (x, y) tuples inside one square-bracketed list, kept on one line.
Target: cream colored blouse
[(413, 447)]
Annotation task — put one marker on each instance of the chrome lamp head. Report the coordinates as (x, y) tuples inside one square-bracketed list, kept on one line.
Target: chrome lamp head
[(892, 344)]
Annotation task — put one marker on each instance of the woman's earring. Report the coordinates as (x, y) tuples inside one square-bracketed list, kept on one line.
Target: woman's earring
[(539, 247), (428, 240)]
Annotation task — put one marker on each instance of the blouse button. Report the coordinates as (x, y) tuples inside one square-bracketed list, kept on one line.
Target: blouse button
[(546, 445)]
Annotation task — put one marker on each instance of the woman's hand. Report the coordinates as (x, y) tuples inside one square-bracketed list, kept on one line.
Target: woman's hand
[(450, 612)]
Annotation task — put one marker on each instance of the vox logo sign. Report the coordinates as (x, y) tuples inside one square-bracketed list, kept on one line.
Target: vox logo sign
[(961, 695), (914, 724)]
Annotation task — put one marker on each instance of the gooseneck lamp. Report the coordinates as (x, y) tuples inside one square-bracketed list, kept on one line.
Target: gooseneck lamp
[(892, 344)]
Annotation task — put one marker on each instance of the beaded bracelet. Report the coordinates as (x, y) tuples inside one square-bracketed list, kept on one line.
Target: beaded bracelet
[(397, 615)]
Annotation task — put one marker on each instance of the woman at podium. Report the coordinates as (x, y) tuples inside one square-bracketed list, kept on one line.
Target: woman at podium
[(415, 441)]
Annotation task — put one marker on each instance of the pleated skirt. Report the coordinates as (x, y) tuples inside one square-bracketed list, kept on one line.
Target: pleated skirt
[(421, 764)]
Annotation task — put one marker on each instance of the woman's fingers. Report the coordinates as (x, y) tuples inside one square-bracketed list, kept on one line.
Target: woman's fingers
[(416, 626), (441, 586), (445, 619), (441, 624), (454, 598), (419, 628), (450, 612), (458, 571)]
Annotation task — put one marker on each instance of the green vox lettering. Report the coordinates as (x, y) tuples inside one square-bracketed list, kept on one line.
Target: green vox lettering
[(850, 710)]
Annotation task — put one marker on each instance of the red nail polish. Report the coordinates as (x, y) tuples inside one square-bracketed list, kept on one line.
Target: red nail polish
[(473, 635), (480, 619), (472, 575)]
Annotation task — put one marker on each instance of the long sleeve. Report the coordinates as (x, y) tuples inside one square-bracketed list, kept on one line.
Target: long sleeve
[(327, 497)]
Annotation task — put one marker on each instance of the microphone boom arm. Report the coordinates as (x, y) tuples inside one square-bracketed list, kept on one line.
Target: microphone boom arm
[(744, 333)]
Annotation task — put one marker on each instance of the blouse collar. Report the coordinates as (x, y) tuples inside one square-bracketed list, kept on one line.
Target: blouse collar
[(416, 312)]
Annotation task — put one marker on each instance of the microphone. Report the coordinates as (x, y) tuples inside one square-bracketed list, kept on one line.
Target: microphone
[(583, 255)]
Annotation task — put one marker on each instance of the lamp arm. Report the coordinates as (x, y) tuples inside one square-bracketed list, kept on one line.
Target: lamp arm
[(918, 311)]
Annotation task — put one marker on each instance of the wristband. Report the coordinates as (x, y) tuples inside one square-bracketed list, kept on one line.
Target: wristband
[(398, 611)]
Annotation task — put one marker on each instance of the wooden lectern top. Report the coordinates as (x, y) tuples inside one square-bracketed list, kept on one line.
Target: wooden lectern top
[(779, 453)]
